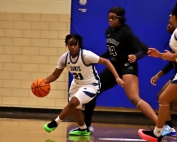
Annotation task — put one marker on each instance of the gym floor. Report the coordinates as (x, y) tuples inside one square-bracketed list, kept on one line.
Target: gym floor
[(29, 130)]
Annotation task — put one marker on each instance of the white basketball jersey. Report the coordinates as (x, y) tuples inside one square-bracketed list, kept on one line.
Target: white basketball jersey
[(82, 73), (173, 41)]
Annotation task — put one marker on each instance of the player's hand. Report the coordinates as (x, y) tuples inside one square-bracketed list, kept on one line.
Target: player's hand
[(154, 53), (120, 81), (168, 56), (132, 58), (46, 81), (154, 79)]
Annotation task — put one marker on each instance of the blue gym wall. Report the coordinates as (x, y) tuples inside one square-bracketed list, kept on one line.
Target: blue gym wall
[(148, 20)]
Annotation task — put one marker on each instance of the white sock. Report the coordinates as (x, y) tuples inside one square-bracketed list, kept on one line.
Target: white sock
[(83, 127), (58, 119), (157, 131)]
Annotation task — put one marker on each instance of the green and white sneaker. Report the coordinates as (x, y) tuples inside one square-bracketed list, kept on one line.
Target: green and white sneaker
[(49, 127), (80, 132)]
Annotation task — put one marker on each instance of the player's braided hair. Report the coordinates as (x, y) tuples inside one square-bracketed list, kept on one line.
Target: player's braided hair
[(76, 39)]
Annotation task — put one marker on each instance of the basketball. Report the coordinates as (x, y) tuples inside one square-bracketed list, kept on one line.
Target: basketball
[(40, 88)]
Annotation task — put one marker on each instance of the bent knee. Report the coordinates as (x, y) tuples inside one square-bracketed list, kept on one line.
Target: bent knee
[(73, 103), (163, 100)]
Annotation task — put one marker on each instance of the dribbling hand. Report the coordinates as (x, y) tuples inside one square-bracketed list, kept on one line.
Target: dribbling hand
[(46, 81), (120, 82)]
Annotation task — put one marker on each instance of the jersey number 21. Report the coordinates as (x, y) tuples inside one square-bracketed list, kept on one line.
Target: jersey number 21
[(78, 76)]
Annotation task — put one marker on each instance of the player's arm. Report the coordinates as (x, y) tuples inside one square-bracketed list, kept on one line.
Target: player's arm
[(109, 65), (134, 44), (58, 70), (142, 45), (162, 72), (54, 76), (92, 58), (167, 55), (167, 68)]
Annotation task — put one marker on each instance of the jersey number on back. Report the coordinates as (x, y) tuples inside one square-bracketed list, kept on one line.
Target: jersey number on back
[(112, 50), (78, 76)]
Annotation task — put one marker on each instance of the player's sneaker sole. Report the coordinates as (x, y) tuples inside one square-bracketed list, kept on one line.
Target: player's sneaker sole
[(146, 137), (79, 138), (79, 133)]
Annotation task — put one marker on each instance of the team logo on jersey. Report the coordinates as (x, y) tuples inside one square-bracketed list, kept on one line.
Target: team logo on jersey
[(83, 2), (130, 68), (126, 64)]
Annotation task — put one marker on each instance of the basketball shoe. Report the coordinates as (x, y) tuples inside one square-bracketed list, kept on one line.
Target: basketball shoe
[(49, 127)]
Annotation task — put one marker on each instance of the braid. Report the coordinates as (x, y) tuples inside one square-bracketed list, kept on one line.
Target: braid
[(76, 39)]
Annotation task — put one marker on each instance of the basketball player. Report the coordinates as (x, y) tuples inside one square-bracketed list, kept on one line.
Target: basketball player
[(169, 94), (86, 82), (155, 78), (123, 49)]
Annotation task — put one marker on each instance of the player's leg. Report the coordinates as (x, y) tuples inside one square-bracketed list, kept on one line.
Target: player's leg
[(132, 91), (168, 124), (173, 105), (88, 113), (84, 94), (131, 88), (107, 81), (67, 111), (168, 95)]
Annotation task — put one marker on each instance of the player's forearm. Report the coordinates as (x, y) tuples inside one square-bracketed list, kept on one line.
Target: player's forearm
[(160, 73), (168, 68), (51, 78), (54, 76)]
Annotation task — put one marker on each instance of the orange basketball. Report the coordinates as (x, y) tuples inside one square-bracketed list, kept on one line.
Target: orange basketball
[(40, 88)]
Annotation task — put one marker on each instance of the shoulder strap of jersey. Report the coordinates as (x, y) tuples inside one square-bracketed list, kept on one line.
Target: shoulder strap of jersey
[(82, 57), (175, 36)]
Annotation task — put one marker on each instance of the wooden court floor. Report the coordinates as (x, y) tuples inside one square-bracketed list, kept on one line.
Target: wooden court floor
[(27, 130)]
